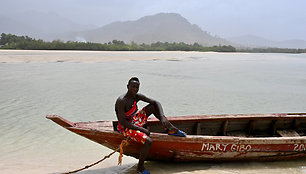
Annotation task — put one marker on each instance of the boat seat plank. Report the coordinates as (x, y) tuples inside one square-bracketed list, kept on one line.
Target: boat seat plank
[(224, 127), (251, 126), (274, 127), (197, 129), (288, 133)]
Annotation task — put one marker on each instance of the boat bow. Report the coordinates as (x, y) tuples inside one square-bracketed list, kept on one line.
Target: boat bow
[(60, 121)]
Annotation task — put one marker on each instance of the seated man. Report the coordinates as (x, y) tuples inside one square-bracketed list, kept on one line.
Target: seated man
[(131, 120)]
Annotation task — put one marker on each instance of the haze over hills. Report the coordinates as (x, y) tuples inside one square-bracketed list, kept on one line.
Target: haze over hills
[(252, 41), (40, 25), (163, 27)]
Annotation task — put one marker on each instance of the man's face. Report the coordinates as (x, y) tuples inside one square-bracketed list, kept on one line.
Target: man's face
[(133, 87)]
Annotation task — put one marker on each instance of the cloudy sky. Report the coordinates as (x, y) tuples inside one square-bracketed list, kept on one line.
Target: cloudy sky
[(271, 19)]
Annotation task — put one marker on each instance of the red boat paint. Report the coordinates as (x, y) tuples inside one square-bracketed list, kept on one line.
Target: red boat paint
[(201, 147)]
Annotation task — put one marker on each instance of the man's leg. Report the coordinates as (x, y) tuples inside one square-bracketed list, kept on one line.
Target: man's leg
[(144, 153), (152, 109)]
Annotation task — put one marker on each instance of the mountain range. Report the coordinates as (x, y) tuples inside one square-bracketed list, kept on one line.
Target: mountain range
[(163, 27)]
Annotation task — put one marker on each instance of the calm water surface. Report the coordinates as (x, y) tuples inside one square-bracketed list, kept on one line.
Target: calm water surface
[(200, 83)]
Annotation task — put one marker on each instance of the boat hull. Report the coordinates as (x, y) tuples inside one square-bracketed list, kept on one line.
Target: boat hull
[(194, 147), (205, 148)]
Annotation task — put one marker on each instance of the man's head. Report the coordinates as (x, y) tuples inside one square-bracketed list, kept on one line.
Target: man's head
[(133, 85), (133, 79)]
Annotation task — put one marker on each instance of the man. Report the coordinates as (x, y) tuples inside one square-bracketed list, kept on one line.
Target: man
[(131, 120)]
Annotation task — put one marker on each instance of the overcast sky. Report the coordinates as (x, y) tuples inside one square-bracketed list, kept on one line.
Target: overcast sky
[(271, 19)]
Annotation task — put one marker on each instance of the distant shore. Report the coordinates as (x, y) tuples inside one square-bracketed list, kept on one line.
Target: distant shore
[(13, 42), (75, 56), (52, 56)]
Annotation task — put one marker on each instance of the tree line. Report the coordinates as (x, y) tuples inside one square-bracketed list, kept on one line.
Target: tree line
[(10, 41), (272, 50)]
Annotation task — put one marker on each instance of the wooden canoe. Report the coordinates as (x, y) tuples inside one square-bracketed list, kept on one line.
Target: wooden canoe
[(259, 137)]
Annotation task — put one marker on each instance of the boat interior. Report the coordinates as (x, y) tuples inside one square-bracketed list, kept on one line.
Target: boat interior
[(242, 126)]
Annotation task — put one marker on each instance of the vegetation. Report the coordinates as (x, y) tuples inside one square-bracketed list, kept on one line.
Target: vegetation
[(9, 41), (273, 50)]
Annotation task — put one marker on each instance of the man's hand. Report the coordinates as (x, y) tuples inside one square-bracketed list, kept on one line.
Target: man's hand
[(146, 131)]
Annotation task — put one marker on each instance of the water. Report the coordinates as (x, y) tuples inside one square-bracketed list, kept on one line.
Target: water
[(185, 83)]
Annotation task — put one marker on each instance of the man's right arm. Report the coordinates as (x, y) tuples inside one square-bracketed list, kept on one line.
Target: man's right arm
[(120, 106)]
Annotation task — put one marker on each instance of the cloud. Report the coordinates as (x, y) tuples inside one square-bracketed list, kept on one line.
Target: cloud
[(282, 19)]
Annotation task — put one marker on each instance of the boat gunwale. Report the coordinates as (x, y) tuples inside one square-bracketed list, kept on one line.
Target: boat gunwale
[(198, 138), (191, 118), (81, 126), (233, 116)]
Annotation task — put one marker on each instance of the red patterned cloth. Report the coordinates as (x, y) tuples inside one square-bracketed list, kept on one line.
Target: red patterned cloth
[(138, 118)]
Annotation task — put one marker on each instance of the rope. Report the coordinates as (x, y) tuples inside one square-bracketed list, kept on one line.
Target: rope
[(123, 143)]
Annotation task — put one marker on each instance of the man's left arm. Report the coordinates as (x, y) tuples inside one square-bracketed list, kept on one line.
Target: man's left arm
[(148, 100), (156, 103)]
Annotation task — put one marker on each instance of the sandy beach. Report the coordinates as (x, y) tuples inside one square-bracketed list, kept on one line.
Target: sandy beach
[(51, 56)]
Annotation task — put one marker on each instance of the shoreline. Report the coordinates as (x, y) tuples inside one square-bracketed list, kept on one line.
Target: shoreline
[(76, 56)]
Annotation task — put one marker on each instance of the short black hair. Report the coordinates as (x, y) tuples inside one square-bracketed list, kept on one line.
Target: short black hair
[(133, 79)]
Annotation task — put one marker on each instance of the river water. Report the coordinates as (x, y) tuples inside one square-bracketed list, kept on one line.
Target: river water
[(185, 84)]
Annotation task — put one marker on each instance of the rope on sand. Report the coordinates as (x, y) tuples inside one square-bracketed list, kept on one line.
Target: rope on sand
[(120, 148)]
